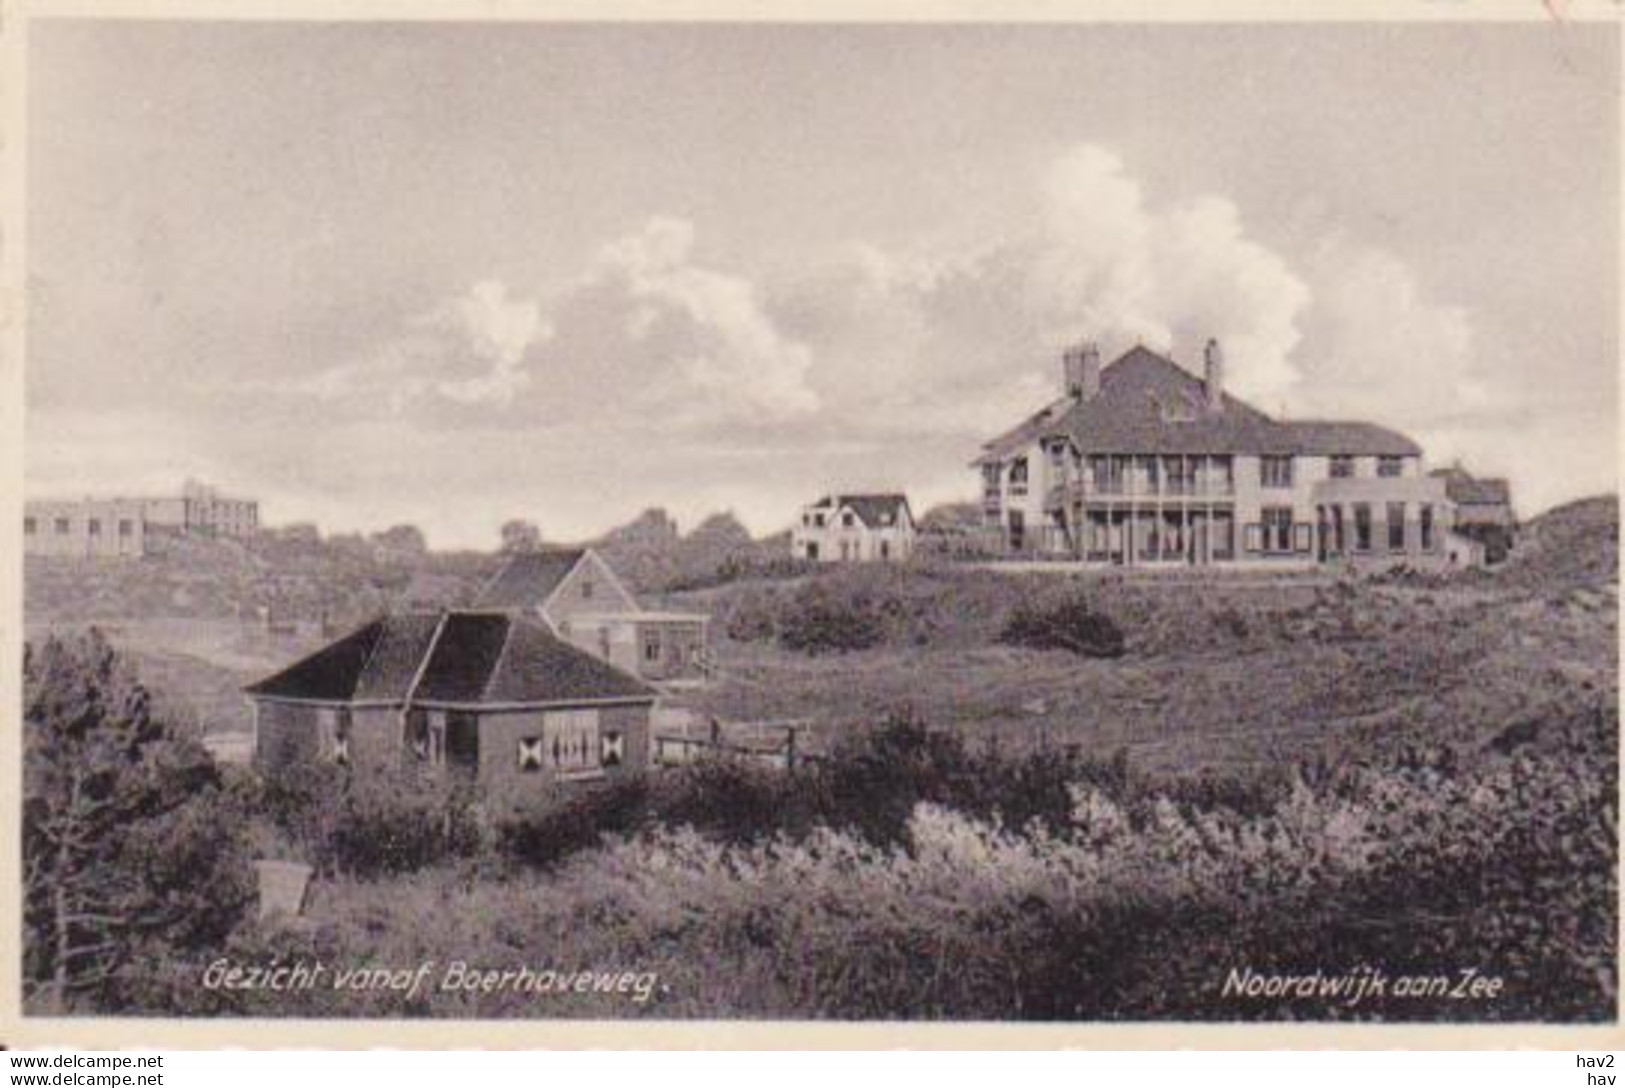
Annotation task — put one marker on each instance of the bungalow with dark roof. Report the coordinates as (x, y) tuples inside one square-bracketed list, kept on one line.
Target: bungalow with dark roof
[(1144, 464), (492, 696), (855, 529), (576, 594)]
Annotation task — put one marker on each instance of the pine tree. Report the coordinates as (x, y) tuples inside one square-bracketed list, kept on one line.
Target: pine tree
[(123, 840)]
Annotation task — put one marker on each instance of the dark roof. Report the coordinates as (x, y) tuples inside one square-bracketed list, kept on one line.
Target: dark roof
[(1368, 439), (456, 657), (330, 674), (528, 579), (1147, 403), (873, 510), (1462, 487)]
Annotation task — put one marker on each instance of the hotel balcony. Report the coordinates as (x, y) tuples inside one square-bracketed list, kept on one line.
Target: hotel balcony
[(1080, 489)]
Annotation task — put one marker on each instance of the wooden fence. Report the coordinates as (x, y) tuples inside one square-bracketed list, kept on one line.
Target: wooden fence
[(780, 744)]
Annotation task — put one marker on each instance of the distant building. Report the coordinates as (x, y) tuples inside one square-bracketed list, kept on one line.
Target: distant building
[(493, 697), (575, 593), (115, 527), (1144, 464), (855, 529), (1483, 510)]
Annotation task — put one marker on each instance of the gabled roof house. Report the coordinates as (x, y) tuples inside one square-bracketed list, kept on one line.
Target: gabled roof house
[(855, 528), (576, 594), (1144, 463)]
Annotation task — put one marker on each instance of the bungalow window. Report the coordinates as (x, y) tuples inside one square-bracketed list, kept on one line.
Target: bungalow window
[(61, 526), (990, 477), (847, 520), (1396, 526), (1390, 467), (426, 736), (1426, 519), (1303, 538), (885, 549), (341, 737), (614, 749), (1222, 475), (586, 589), (1277, 523), (818, 520), (94, 526), (530, 754), (1342, 467), (570, 742), (1274, 471), (126, 527), (29, 525), (1362, 527), (651, 646)]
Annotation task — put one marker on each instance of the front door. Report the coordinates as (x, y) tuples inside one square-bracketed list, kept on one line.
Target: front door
[(463, 742)]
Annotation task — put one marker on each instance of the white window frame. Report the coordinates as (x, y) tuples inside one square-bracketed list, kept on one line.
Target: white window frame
[(571, 745)]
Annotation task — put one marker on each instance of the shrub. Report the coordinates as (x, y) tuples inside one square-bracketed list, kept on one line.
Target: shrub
[(821, 619), (753, 617), (1070, 625)]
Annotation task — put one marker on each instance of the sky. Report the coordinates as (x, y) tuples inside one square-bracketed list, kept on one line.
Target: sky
[(451, 274)]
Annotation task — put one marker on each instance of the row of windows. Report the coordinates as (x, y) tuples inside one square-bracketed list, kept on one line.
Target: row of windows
[(1108, 472), (64, 526), (1334, 530)]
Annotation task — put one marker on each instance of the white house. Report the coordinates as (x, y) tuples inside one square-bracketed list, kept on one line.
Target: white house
[(855, 529), (1142, 463)]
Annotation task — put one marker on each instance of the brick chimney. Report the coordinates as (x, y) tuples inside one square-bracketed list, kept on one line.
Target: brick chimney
[(1072, 371), (1082, 367), (1213, 375)]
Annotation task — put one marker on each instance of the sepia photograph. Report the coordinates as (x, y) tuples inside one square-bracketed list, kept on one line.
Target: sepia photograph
[(1075, 523)]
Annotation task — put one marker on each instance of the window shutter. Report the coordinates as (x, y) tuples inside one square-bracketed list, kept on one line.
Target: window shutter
[(1302, 541), (1255, 538)]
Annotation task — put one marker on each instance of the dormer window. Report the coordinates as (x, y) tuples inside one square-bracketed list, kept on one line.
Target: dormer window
[(1342, 467)]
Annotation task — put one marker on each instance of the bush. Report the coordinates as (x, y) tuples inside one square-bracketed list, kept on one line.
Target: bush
[(369, 824), (821, 619), (1070, 625)]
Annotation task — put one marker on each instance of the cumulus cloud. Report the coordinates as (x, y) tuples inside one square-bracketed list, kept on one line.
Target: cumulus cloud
[(668, 335), (1377, 346), (969, 340), (469, 349), (698, 341), (900, 351)]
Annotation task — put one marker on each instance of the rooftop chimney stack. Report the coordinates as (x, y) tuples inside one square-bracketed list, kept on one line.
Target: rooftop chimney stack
[(1213, 375), (1088, 372), (1072, 369)]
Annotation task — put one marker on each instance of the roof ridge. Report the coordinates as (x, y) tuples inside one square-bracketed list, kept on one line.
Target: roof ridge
[(509, 621), (423, 666), (372, 652)]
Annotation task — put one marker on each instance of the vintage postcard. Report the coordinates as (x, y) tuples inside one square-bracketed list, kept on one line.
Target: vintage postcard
[(566, 530)]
